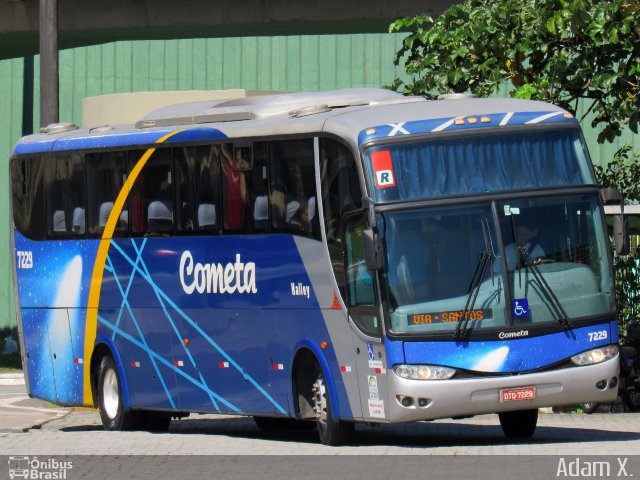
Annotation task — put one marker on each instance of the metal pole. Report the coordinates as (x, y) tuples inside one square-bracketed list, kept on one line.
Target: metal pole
[(49, 81)]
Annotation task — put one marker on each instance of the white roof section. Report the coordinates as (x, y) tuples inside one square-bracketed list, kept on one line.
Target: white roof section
[(268, 106), (345, 113), (128, 108)]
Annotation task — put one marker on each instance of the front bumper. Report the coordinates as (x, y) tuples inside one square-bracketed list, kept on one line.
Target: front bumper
[(475, 396)]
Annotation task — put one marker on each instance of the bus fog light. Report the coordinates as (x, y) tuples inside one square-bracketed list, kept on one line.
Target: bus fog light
[(613, 383), (597, 355), (424, 372), (423, 402), (404, 401), (601, 385)]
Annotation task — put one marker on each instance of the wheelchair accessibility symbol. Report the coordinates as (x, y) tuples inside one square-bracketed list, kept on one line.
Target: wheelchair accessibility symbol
[(520, 308)]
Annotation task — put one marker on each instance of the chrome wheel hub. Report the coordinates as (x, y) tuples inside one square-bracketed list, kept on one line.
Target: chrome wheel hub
[(319, 391), (110, 394)]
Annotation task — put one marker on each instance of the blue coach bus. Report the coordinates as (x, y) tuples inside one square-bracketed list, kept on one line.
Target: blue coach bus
[(331, 257)]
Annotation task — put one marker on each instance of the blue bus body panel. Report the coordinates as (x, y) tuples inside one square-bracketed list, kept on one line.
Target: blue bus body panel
[(192, 351), (53, 296), (503, 356)]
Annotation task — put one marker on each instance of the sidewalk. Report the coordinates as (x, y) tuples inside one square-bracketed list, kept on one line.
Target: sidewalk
[(18, 412), (12, 378)]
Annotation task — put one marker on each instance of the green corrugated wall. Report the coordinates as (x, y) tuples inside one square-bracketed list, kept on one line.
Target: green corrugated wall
[(292, 63)]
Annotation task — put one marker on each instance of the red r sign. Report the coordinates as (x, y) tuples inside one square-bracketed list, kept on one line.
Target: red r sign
[(383, 169)]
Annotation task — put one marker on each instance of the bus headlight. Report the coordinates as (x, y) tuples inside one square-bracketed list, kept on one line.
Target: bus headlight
[(597, 355), (424, 372)]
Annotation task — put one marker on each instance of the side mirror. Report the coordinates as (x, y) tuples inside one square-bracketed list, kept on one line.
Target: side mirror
[(372, 250), (611, 196), (621, 234), (621, 238)]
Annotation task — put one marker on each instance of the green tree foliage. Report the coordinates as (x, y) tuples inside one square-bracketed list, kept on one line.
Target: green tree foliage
[(623, 172), (558, 51)]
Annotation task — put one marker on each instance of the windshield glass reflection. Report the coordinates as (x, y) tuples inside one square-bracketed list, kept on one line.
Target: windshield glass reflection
[(455, 269)]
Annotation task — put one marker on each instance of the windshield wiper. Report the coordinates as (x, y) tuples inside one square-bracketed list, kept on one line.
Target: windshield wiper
[(545, 290), (474, 289)]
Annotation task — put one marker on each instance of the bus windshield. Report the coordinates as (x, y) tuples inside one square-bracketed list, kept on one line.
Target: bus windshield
[(477, 164), (522, 262)]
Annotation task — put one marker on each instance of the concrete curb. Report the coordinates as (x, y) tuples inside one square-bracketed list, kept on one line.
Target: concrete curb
[(12, 378)]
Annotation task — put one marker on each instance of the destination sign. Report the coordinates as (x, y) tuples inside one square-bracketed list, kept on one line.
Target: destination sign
[(450, 316)]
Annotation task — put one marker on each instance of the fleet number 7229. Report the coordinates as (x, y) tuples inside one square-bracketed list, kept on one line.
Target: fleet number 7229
[(25, 259), (595, 336)]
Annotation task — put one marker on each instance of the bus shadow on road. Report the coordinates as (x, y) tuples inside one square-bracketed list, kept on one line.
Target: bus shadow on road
[(445, 434), (440, 433)]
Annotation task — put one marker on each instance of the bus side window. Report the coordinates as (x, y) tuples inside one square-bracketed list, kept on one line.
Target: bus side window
[(198, 188), (151, 205), (66, 199), (340, 193), (27, 175), (293, 188), (259, 188), (106, 174)]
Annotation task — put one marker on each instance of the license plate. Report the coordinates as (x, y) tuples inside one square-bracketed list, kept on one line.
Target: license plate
[(516, 394)]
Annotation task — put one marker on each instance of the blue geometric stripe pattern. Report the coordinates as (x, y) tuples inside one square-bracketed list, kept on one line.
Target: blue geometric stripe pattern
[(435, 125), (164, 361), (173, 325), (169, 307), (144, 344)]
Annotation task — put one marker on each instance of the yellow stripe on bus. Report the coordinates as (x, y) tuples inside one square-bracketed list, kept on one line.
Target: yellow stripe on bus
[(91, 324)]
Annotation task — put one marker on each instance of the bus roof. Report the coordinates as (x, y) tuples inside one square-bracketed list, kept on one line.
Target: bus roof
[(357, 115)]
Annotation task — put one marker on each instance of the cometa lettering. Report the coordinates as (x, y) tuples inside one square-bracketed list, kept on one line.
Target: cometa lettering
[(506, 335), (216, 278)]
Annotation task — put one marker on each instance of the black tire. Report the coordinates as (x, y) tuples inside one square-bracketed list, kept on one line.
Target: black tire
[(520, 424), (112, 412), (590, 407), (330, 430), (280, 424), (631, 392)]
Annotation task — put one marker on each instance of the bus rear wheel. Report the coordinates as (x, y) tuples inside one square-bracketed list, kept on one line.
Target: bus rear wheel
[(330, 430), (112, 411), (520, 424)]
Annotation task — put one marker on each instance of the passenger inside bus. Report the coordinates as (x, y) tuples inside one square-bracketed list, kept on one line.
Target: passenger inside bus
[(235, 189), (298, 215)]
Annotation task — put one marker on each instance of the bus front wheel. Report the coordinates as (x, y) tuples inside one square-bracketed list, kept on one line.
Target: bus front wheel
[(330, 430), (112, 411), (520, 424)]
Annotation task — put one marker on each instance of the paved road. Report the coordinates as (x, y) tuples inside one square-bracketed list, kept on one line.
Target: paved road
[(67, 432)]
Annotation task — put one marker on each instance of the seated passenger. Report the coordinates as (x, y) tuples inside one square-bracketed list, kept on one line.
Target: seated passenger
[(298, 215)]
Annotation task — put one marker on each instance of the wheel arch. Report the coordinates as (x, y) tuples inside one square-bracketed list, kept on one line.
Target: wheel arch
[(105, 346), (308, 353)]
